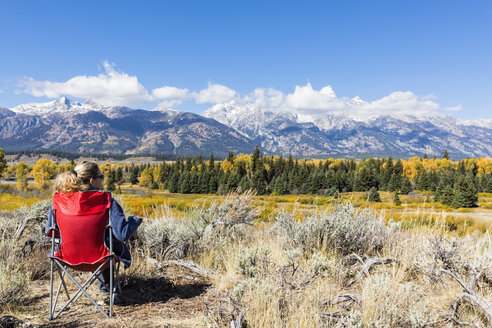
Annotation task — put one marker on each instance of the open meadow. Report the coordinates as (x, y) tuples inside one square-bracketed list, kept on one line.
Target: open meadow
[(243, 260)]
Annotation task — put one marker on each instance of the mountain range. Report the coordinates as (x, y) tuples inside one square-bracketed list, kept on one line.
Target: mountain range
[(88, 127)]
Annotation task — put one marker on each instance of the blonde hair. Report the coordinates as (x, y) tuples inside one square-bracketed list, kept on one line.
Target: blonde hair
[(77, 179)]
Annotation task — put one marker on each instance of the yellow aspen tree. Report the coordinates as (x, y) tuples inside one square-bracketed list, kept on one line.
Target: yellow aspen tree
[(226, 165), (21, 174), (146, 178), (43, 171)]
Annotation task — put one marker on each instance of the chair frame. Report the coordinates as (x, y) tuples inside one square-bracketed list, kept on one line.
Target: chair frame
[(61, 268)]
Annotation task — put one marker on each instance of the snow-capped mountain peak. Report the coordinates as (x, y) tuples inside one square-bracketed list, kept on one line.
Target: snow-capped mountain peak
[(60, 105), (66, 107)]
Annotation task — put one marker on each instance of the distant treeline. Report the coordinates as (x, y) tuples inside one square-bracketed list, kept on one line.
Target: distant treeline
[(100, 157), (453, 183)]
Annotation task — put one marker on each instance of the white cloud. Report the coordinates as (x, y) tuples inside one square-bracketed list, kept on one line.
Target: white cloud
[(305, 97), (169, 103), (171, 96), (108, 88), (307, 101), (214, 94), (118, 88), (399, 102), (167, 92), (454, 108), (267, 99)]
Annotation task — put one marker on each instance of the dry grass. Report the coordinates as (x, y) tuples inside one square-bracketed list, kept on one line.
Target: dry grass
[(286, 278)]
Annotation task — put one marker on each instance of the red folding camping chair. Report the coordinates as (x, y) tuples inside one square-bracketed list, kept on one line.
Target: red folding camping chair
[(80, 220)]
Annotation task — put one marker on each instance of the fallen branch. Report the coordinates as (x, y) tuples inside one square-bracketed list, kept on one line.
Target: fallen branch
[(238, 322), (345, 302), (368, 264), (346, 298), (469, 296), (191, 266)]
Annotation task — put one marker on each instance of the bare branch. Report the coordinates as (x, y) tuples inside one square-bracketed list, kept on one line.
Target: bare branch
[(470, 297), (368, 265)]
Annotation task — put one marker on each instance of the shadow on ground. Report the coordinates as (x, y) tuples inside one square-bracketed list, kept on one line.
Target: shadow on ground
[(136, 291)]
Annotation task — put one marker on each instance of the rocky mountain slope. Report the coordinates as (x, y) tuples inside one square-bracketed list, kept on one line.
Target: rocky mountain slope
[(75, 127), (332, 134), (71, 126)]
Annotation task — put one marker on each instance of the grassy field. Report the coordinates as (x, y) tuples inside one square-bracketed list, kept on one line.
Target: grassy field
[(310, 267), (417, 208)]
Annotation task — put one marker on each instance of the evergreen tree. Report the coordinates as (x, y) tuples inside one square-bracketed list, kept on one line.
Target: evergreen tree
[(406, 185), (374, 195), (447, 196), (173, 183), (445, 155), (394, 183), (244, 183), (184, 183), (440, 189), (110, 181), (465, 194), (398, 169), (134, 175), (204, 181), (486, 183), (396, 199), (336, 194), (332, 191), (213, 185), (461, 168), (290, 163), (423, 182), (3, 162), (256, 158), (386, 174), (230, 157), (118, 174), (365, 180), (259, 183), (194, 186), (233, 182), (211, 162), (188, 164), (433, 180)]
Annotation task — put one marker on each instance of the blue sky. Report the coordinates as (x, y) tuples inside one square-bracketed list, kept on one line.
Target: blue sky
[(402, 56)]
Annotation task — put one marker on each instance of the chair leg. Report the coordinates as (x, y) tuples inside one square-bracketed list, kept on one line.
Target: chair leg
[(111, 291), (51, 291), (82, 289), (79, 293), (63, 282)]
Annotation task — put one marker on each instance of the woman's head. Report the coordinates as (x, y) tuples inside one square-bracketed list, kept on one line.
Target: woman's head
[(84, 176)]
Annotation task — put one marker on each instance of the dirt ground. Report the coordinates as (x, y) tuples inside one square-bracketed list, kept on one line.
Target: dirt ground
[(146, 302)]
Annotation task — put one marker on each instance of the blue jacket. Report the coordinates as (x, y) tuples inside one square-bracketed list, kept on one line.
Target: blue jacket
[(123, 229)]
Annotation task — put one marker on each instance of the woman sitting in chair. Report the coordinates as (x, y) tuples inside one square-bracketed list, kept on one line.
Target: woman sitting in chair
[(86, 177)]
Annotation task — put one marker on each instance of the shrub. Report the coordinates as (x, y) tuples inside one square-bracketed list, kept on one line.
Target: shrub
[(440, 252), (170, 237), (253, 261), (32, 220), (345, 230), (13, 279), (165, 237), (391, 303)]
